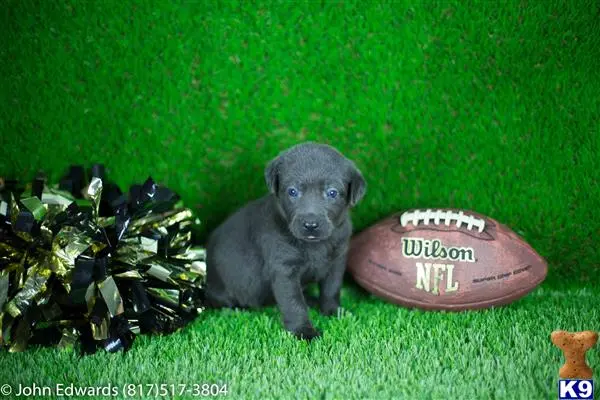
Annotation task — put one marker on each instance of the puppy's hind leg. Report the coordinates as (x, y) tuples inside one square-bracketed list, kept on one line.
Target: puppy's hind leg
[(215, 292), (216, 299)]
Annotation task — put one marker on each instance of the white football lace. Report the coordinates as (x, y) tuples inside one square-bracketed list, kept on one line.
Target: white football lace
[(438, 216)]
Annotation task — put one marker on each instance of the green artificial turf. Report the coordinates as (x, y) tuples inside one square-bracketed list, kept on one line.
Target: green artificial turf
[(489, 106), (463, 104), (374, 351)]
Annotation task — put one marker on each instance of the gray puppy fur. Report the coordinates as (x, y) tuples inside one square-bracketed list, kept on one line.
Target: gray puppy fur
[(269, 250)]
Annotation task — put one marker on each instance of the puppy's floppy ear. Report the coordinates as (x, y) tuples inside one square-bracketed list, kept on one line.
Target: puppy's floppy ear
[(356, 187), (272, 175)]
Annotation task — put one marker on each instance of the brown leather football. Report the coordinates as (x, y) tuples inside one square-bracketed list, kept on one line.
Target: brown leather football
[(444, 259)]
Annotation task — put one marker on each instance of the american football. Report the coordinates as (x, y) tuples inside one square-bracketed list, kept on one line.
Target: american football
[(444, 259)]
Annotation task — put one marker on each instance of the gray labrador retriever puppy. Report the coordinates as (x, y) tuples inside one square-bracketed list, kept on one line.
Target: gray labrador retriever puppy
[(269, 250)]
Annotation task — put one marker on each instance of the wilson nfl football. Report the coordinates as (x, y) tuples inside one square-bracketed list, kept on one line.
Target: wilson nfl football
[(444, 259)]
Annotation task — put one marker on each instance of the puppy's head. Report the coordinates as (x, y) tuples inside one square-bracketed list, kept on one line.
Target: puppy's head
[(314, 186)]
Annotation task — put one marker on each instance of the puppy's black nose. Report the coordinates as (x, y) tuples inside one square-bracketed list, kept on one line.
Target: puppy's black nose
[(311, 226)]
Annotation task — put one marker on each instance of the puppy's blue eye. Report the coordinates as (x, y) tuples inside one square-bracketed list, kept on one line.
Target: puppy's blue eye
[(332, 193), (292, 192)]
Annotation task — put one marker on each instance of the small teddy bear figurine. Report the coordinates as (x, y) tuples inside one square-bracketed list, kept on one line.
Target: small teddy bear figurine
[(574, 346)]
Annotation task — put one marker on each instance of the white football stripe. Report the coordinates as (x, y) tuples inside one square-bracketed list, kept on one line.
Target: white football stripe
[(437, 216)]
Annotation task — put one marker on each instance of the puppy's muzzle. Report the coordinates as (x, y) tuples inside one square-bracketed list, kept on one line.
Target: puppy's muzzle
[(311, 227)]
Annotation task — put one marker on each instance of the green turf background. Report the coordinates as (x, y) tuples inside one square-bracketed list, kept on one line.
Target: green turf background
[(489, 106), (462, 104)]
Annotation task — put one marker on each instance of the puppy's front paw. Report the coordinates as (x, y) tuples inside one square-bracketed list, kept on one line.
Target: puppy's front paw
[(307, 333)]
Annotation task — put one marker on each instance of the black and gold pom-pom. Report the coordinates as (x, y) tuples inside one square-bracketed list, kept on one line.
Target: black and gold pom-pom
[(84, 265)]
